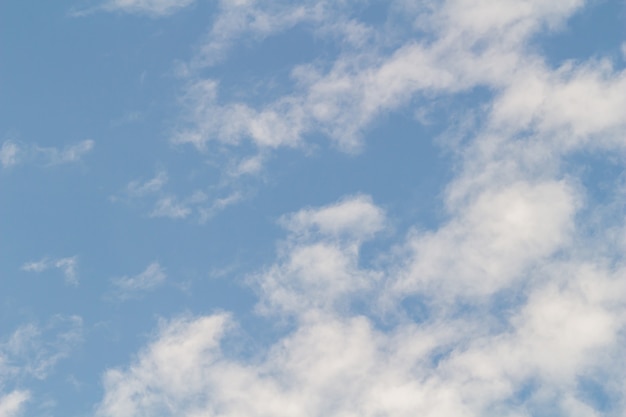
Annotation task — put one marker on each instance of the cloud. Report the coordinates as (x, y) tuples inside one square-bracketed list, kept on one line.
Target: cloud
[(336, 361), (355, 216), (170, 207), (167, 205), (69, 267), (504, 308), (12, 153), (152, 277), (69, 154), (152, 8), (9, 154), (491, 242), (33, 350), (252, 19), (12, 404), (136, 188), (173, 365)]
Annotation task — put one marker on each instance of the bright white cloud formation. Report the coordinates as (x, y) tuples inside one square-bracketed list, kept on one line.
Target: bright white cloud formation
[(507, 308), (12, 403), (336, 362), (69, 267)]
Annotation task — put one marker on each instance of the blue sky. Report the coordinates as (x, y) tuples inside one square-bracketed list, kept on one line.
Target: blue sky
[(313, 208)]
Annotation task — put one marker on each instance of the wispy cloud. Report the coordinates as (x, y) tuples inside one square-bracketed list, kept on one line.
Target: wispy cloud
[(152, 8), (166, 205), (9, 153), (68, 266), (137, 188), (33, 349), (131, 286), (13, 153), (69, 154), (173, 208)]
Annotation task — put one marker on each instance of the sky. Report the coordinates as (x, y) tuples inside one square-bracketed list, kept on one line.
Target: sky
[(338, 208)]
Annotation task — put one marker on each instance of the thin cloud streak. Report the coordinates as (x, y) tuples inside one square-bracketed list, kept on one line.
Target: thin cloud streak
[(68, 266)]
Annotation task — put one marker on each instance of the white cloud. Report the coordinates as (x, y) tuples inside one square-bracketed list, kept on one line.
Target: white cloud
[(198, 204), (152, 277), (491, 242), (173, 365), (218, 205), (137, 188), (12, 404), (69, 154), (501, 310), (155, 8), (170, 207), (13, 153), (355, 216), (69, 267), (253, 18), (337, 362), (9, 154), (33, 350)]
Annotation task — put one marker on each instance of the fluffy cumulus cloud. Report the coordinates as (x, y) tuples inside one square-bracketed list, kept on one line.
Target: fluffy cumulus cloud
[(510, 307), (568, 325)]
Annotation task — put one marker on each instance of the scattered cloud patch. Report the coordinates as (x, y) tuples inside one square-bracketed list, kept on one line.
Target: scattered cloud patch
[(13, 153), (170, 207), (165, 205), (137, 188), (151, 278), (148, 7), (68, 266), (33, 350), (151, 8), (9, 153), (69, 154)]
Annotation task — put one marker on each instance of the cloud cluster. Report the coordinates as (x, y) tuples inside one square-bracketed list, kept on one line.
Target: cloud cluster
[(32, 351), (342, 97), (165, 204), (529, 354), (508, 308)]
